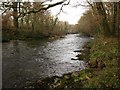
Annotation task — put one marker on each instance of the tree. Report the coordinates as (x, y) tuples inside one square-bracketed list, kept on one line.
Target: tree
[(107, 15), (86, 24), (18, 12)]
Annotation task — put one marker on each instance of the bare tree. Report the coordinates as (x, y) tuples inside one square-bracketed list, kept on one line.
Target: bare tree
[(16, 8)]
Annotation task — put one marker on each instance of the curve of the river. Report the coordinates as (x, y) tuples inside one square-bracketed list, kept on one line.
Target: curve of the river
[(25, 61)]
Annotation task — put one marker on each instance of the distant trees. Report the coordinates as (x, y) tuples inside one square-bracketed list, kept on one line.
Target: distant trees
[(30, 19), (104, 17), (87, 23)]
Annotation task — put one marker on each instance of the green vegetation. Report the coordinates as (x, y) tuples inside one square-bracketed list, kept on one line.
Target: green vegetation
[(104, 73)]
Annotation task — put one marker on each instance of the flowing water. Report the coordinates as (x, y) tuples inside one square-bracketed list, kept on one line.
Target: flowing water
[(25, 61)]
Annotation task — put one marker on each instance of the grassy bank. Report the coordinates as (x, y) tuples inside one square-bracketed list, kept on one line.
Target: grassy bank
[(102, 68)]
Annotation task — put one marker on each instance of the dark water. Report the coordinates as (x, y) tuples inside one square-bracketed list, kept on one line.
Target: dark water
[(28, 61)]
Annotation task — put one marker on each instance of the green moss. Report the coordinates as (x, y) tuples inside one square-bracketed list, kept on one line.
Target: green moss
[(105, 50), (90, 44)]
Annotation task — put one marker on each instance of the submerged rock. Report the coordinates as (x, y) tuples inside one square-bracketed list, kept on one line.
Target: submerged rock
[(74, 59), (78, 50)]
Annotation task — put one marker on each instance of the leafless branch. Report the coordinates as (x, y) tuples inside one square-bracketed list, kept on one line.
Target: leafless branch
[(45, 7), (61, 9), (42, 8), (89, 4), (5, 10)]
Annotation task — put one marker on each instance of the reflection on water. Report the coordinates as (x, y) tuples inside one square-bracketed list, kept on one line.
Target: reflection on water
[(29, 61)]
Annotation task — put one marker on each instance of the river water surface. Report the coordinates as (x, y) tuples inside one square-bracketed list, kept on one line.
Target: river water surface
[(25, 61)]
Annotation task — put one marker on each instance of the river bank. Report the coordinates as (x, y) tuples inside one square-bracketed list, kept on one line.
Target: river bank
[(25, 62), (68, 80), (101, 70), (7, 38)]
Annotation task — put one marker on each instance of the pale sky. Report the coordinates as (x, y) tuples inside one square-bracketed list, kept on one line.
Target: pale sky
[(72, 14)]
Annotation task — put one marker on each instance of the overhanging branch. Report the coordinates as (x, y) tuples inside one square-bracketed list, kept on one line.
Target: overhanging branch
[(42, 8), (61, 9)]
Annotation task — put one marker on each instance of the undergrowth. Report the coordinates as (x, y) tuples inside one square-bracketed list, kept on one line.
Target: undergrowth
[(102, 69)]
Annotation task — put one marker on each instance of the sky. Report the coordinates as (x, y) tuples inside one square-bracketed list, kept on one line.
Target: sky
[(72, 14)]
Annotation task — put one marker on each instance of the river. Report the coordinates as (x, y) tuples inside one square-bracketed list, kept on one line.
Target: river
[(25, 61)]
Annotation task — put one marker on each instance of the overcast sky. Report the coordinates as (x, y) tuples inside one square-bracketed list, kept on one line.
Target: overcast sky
[(72, 14)]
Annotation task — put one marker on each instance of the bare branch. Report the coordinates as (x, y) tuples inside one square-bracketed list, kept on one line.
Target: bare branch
[(89, 4), (3, 7), (42, 8), (5, 10), (61, 9)]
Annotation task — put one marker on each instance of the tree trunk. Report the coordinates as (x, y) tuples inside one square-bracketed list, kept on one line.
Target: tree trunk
[(15, 18), (118, 20), (113, 31), (104, 26)]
